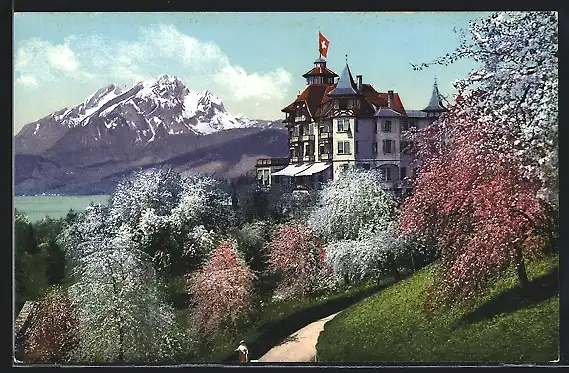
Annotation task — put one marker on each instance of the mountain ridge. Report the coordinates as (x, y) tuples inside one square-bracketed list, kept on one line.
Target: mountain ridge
[(153, 123)]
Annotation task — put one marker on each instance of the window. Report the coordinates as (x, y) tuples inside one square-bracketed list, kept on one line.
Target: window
[(385, 173), (374, 148), (404, 147), (387, 147), (404, 126), (307, 150), (343, 147), (344, 167), (357, 147), (412, 124), (343, 125), (403, 173), (356, 126), (375, 128), (387, 126), (343, 104)]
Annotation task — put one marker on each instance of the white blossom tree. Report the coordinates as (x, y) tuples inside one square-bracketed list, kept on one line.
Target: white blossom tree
[(117, 301), (352, 203), (515, 91), (374, 253)]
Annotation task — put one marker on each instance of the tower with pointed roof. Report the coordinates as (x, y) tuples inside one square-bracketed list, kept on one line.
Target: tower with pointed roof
[(435, 107)]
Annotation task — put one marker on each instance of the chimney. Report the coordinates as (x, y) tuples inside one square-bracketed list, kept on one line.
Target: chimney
[(359, 79), (390, 99)]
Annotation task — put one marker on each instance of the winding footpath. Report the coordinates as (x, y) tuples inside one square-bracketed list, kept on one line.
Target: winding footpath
[(300, 346)]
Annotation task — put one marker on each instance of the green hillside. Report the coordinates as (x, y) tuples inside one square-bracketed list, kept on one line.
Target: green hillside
[(501, 326)]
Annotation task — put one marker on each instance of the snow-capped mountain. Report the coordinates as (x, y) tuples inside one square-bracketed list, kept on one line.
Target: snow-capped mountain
[(157, 107), (86, 149)]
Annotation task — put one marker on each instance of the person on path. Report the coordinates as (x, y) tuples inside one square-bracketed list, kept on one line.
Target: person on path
[(243, 352)]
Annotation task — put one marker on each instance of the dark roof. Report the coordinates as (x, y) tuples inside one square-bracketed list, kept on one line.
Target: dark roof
[(385, 112), (435, 104), (416, 114), (346, 85), (324, 71), (379, 99), (312, 96)]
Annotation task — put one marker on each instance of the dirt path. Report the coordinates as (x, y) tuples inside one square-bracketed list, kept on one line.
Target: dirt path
[(300, 346)]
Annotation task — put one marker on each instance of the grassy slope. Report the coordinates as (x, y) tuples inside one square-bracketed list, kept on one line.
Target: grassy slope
[(277, 320), (499, 327)]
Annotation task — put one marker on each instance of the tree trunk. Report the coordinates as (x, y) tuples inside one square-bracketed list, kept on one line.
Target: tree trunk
[(394, 272), (521, 269), (121, 343)]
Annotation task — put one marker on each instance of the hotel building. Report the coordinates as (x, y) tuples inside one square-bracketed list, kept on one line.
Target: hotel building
[(338, 122)]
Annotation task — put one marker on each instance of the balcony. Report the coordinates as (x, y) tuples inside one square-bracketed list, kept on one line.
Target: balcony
[(294, 139), (300, 118), (270, 162), (308, 138), (325, 135)]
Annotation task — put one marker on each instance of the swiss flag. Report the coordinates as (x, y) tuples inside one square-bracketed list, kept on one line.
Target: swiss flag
[(323, 44)]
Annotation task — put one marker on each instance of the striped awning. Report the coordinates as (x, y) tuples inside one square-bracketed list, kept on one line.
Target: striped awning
[(292, 170), (314, 169)]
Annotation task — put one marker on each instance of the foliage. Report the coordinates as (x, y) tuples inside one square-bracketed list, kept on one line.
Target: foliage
[(252, 239), (514, 92), (297, 253), (499, 327), (353, 202), (52, 336), (377, 254), (477, 204), (24, 237), (172, 219), (486, 191), (221, 290), (122, 317)]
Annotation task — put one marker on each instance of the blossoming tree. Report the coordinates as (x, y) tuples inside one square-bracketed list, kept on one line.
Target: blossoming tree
[(221, 290), (487, 189), (297, 252), (118, 304)]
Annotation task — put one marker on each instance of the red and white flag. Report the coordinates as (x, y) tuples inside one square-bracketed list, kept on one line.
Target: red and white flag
[(323, 44)]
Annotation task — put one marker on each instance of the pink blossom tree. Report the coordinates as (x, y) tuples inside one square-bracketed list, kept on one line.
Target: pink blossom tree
[(486, 192), (52, 336), (477, 204), (222, 290), (298, 253)]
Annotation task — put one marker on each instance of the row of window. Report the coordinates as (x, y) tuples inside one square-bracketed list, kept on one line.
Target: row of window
[(387, 173), (344, 148), (388, 147), (344, 126)]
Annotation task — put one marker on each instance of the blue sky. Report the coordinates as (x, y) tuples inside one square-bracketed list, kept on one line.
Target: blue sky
[(253, 61)]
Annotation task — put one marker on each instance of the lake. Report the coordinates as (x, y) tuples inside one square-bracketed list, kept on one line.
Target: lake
[(38, 207)]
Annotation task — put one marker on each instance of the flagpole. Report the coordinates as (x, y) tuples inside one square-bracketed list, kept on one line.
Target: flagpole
[(319, 50)]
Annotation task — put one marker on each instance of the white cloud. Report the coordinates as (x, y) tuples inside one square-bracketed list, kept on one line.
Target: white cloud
[(159, 49), (247, 86), (27, 80), (39, 61), (61, 57)]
